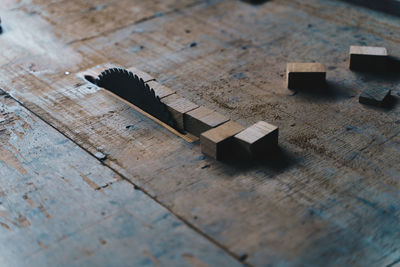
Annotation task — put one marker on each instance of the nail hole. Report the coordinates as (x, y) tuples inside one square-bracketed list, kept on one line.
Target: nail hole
[(243, 257)]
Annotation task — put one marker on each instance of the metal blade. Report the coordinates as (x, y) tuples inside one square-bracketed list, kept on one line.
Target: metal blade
[(134, 90)]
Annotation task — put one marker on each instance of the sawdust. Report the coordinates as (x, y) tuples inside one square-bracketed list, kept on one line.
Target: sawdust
[(304, 141)]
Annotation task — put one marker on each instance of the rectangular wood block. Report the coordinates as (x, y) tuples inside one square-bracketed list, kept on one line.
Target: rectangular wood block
[(368, 58), (141, 74), (305, 75), (376, 96), (160, 90), (258, 138), (218, 142), (178, 106), (202, 119)]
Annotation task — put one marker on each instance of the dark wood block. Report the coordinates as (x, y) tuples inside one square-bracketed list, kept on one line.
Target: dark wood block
[(257, 138), (202, 119), (368, 58), (218, 142), (376, 96), (305, 75)]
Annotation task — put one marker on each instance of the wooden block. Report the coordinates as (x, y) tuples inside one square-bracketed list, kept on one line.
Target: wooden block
[(217, 142), (202, 119), (141, 74), (258, 138), (160, 90), (376, 96), (368, 58), (305, 75), (178, 106)]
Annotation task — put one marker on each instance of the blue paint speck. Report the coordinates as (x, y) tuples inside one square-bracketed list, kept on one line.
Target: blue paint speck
[(239, 75)]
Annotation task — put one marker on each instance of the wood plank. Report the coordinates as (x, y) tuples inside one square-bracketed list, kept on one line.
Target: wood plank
[(338, 167), (59, 206), (82, 20)]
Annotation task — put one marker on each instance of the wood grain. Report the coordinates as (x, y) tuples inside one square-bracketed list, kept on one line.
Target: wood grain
[(59, 206)]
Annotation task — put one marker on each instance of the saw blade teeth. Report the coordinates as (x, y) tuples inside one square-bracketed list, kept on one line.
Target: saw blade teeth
[(132, 88), (152, 92)]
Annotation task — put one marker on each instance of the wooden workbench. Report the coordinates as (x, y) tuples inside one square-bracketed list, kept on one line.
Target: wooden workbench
[(87, 180)]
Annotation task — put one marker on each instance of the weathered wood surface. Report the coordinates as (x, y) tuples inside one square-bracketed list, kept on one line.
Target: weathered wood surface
[(59, 206), (331, 197), (389, 6)]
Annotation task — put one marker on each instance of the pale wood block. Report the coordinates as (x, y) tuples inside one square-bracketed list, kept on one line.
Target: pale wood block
[(217, 142), (160, 90), (178, 106), (258, 138), (202, 119), (141, 74), (376, 96), (368, 50), (305, 75), (368, 58)]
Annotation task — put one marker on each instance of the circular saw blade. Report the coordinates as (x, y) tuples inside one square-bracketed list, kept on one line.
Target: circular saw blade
[(134, 90)]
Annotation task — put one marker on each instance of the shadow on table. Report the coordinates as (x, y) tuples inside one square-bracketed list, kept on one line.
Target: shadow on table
[(275, 159)]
